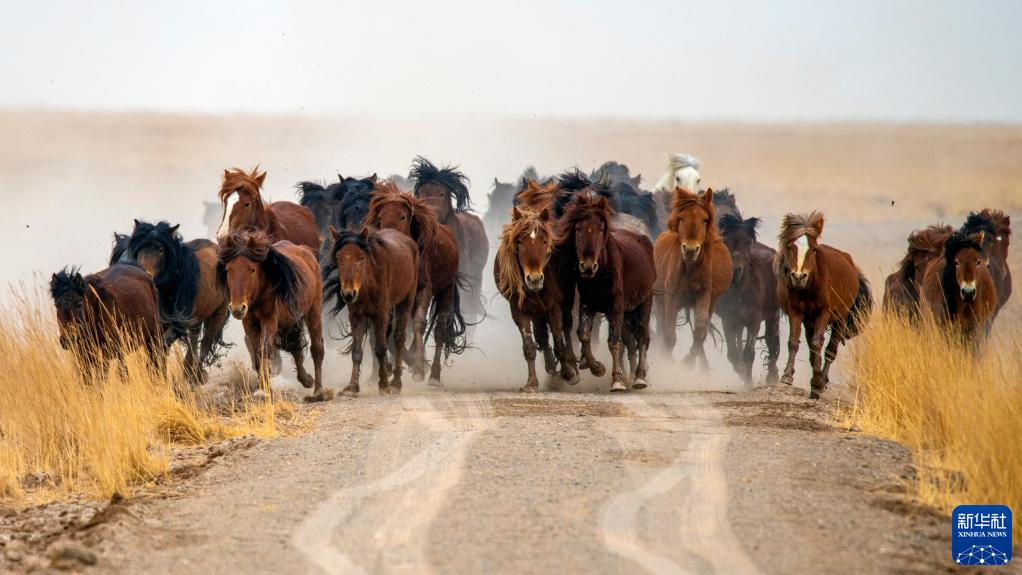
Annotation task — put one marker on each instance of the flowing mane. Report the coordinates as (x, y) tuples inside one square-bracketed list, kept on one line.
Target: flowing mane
[(534, 196), (255, 246), (574, 183), (579, 209), (237, 180), (794, 226), (425, 225), (449, 177), (684, 199), (510, 283), (927, 240), (732, 224), (993, 223), (312, 194), (676, 162)]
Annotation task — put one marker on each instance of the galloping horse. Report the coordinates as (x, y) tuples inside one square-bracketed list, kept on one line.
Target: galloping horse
[(693, 269), (820, 288), (373, 275), (101, 314), (444, 189), (275, 290), (996, 226), (901, 288), (959, 289), (614, 274), (499, 203), (437, 289), (752, 298), (185, 277), (682, 172), (244, 211), (526, 277)]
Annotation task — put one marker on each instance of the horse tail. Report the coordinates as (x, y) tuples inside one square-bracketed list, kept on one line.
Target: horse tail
[(858, 314), (456, 341)]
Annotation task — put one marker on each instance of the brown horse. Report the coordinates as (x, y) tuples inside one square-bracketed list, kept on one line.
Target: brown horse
[(101, 315), (821, 289), (958, 288), (244, 211), (752, 298), (996, 226), (693, 269), (185, 276), (275, 290), (446, 191), (614, 273), (437, 289), (525, 275), (901, 289), (373, 275)]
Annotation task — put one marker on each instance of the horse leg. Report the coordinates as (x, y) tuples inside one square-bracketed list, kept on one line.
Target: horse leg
[(733, 338), (699, 328), (830, 356), (541, 334), (441, 333), (212, 332), (569, 369), (615, 318), (358, 333), (291, 339), (418, 357), (523, 321), (816, 332), (749, 355), (628, 339), (669, 329), (642, 337), (193, 367), (585, 320), (401, 316), (380, 351), (794, 334), (773, 343), (314, 324)]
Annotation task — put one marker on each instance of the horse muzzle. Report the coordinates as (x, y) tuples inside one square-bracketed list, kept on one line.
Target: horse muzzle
[(588, 269), (534, 282), (349, 295), (968, 293), (799, 280), (690, 253), (240, 311)]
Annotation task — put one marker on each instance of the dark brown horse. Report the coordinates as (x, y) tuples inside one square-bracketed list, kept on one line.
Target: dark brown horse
[(185, 276), (614, 273), (996, 227), (693, 269), (751, 300), (525, 275), (244, 211), (446, 191), (958, 288), (275, 289), (902, 288), (104, 314), (437, 290), (373, 275), (821, 289)]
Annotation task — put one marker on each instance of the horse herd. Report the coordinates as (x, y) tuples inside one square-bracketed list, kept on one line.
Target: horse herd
[(403, 260)]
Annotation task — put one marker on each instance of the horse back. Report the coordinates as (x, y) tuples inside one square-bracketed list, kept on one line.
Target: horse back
[(296, 224), (125, 298), (209, 297), (441, 260), (470, 234), (638, 267), (840, 280), (306, 264)]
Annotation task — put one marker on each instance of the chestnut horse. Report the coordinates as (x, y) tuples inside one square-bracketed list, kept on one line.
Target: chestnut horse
[(525, 275), (373, 275), (958, 288), (821, 289), (275, 289), (244, 211), (693, 269), (752, 298), (901, 289), (185, 277), (614, 273), (446, 191), (437, 291), (99, 316), (996, 226)]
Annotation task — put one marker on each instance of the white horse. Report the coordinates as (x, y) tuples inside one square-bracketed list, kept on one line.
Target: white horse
[(682, 172)]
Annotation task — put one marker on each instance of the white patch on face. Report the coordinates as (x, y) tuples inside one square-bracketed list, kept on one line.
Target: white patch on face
[(532, 234), (225, 221), (801, 249)]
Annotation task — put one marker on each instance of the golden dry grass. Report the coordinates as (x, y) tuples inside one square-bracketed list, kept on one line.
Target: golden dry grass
[(958, 413), (60, 436)]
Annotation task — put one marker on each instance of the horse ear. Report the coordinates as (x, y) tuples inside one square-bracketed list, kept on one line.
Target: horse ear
[(602, 203), (340, 178), (817, 225), (545, 215), (605, 179), (978, 237), (495, 182), (227, 173), (516, 214), (637, 180), (173, 229), (260, 178), (76, 278), (137, 223), (372, 178), (707, 196), (334, 233)]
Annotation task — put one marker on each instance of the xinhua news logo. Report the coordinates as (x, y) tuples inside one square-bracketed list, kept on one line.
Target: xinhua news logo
[(981, 534)]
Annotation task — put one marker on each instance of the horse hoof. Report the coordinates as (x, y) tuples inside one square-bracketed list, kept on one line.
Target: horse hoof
[(306, 382), (787, 379), (573, 379), (386, 391), (418, 376), (529, 388), (639, 383), (597, 369), (618, 386), (814, 394), (349, 391), (321, 395), (434, 382)]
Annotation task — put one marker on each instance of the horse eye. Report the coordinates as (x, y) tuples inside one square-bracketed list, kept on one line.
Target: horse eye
[(248, 204)]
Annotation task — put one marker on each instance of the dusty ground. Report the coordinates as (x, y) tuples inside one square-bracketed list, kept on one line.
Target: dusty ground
[(695, 475)]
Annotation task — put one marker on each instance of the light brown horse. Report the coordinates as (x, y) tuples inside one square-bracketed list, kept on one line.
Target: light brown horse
[(275, 289), (445, 189), (901, 289), (819, 288), (373, 275), (525, 275), (244, 210), (437, 288), (693, 270), (958, 288)]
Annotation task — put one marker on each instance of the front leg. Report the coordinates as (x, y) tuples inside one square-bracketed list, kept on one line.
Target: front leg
[(524, 323), (794, 335), (569, 367), (358, 333), (749, 355), (380, 351), (615, 318), (268, 347), (585, 320), (816, 338), (541, 334), (700, 327)]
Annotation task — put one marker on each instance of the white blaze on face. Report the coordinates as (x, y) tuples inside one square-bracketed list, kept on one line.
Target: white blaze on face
[(801, 249), (688, 178), (225, 221), (532, 234)]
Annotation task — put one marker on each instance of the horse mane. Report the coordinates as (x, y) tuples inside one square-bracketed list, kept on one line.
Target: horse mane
[(794, 226), (684, 199), (119, 247), (929, 240), (67, 280), (724, 197), (178, 283), (574, 183), (732, 224), (449, 177), (311, 193), (638, 204), (535, 196), (992, 223), (580, 208), (424, 226), (236, 179), (285, 281), (348, 195), (331, 279), (510, 282)]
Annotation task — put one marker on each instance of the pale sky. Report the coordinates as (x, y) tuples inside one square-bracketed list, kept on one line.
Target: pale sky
[(779, 60)]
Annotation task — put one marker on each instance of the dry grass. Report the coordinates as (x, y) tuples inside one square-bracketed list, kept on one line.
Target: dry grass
[(60, 436), (959, 414)]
